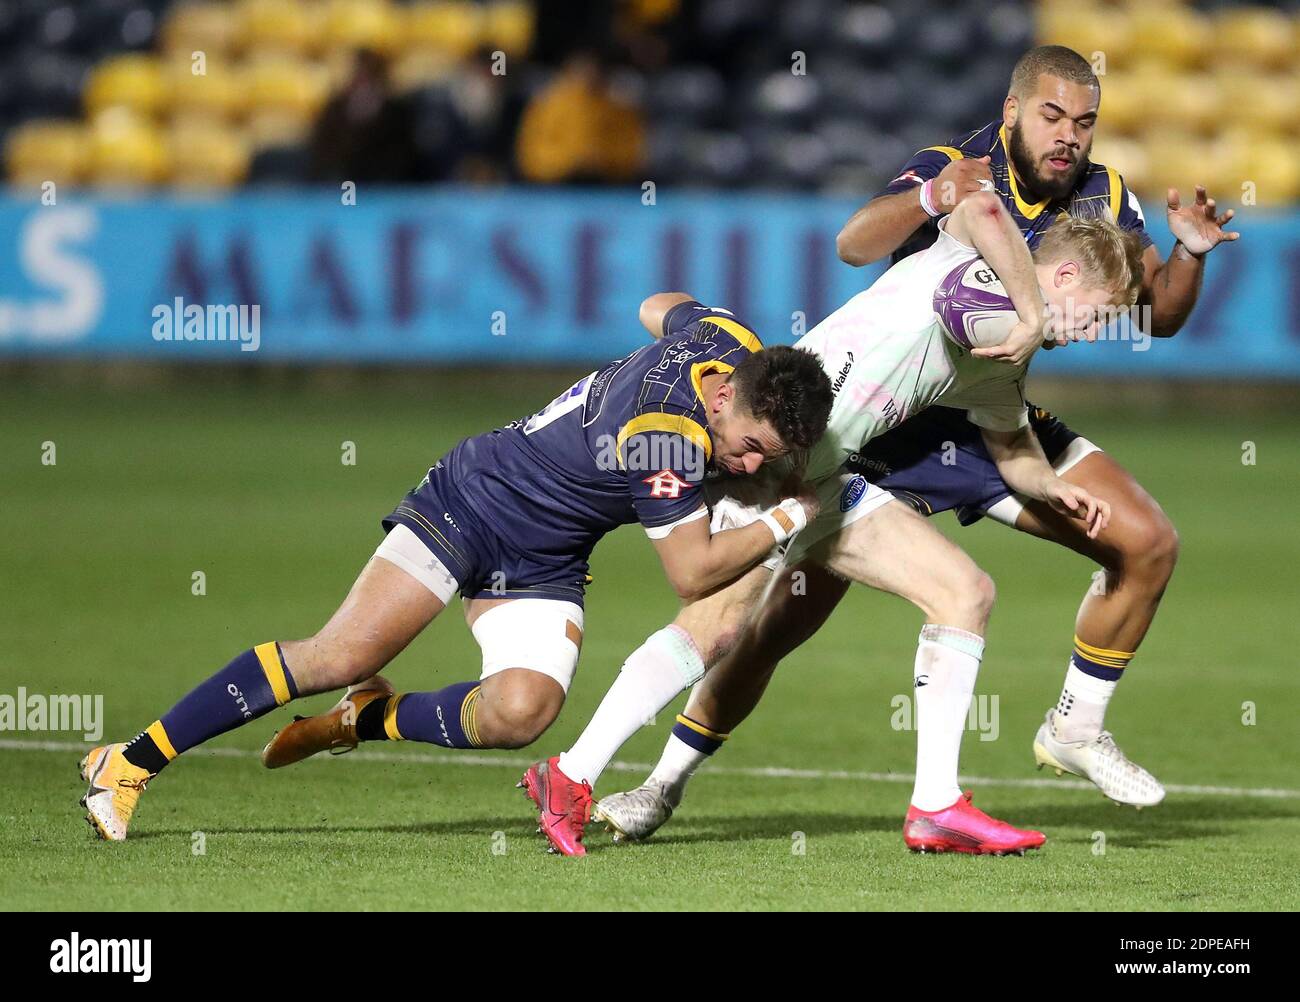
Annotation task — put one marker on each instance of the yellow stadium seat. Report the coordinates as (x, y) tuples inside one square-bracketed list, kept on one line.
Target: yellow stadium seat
[(1123, 110), (218, 93), (199, 27), (1182, 38), (207, 156), (285, 85), (360, 24), (1191, 101), (289, 27), (1102, 35), (47, 150), (126, 151), (508, 27), (1257, 35), (134, 82), (284, 96), (454, 27), (1272, 166), (1261, 102)]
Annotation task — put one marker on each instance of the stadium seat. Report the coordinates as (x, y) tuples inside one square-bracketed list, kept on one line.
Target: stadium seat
[(283, 97), (1257, 36), (207, 156), (126, 151), (689, 94), (206, 27), (47, 150), (278, 27), (134, 82), (216, 94), (1178, 36), (360, 24), (453, 27), (508, 26)]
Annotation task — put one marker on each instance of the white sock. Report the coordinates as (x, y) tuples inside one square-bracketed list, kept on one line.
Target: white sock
[(658, 670), (947, 662), (676, 766), (1081, 710)]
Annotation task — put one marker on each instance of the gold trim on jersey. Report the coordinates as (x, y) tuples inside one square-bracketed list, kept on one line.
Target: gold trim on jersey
[(951, 152), (1026, 210), (672, 424), (701, 369), (739, 331), (1116, 191)]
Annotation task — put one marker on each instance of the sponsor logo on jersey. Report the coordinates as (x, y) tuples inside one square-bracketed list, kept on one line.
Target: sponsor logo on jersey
[(843, 374), (853, 492), (909, 175), (666, 484)]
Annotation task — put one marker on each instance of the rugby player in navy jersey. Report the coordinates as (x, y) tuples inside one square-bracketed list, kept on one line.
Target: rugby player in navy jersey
[(1036, 159), (507, 520)]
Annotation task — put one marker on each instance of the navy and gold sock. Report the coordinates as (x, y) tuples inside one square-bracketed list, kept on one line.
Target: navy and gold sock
[(253, 684), (695, 734), (447, 717)]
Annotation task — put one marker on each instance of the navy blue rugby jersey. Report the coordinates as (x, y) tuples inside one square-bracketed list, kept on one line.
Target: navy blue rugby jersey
[(1099, 188), (627, 443)]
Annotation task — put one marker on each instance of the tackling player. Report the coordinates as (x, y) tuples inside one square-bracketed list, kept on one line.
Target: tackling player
[(889, 359), (508, 520), (1036, 159)]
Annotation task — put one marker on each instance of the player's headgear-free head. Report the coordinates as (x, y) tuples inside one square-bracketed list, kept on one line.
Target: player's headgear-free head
[(789, 389), (1109, 257)]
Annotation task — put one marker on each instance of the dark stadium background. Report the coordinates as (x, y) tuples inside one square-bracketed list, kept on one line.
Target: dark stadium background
[(446, 210)]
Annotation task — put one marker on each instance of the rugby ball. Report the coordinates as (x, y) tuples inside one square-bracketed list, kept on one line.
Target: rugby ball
[(973, 307)]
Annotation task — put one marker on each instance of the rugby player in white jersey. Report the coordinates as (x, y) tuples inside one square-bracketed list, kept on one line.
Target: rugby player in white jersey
[(888, 358)]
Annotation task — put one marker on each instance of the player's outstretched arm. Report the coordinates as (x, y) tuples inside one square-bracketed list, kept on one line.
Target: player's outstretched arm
[(1170, 288), (982, 221), (696, 562), (1024, 467)]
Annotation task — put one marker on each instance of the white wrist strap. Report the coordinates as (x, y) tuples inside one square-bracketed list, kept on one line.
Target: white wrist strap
[(785, 519), (927, 200)]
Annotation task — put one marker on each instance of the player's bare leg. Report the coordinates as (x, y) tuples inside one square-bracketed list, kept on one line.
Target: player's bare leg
[(382, 613), (1137, 552)]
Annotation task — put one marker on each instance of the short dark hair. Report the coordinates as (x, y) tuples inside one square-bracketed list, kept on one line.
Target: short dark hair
[(788, 388), (1055, 61)]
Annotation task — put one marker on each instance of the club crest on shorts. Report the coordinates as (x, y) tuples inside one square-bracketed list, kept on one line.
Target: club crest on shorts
[(853, 492), (666, 484)]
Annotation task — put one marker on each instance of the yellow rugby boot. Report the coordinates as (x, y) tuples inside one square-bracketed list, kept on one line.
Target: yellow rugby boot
[(115, 788), (334, 731)]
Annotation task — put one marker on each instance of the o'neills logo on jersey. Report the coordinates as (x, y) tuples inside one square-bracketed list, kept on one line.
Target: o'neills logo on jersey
[(666, 484), (843, 374), (75, 955)]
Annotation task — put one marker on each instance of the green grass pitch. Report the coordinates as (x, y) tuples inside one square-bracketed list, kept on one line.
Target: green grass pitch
[(246, 484)]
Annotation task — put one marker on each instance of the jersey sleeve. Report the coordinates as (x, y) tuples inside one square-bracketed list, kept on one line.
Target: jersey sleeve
[(925, 165), (1127, 210), (664, 456), (699, 323)]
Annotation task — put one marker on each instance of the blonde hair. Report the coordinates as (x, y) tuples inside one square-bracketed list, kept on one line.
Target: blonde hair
[(1111, 257)]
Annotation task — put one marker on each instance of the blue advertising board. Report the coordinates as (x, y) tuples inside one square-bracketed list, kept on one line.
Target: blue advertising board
[(511, 276)]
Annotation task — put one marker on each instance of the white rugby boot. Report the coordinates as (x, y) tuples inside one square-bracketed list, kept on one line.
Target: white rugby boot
[(637, 814), (1100, 761)]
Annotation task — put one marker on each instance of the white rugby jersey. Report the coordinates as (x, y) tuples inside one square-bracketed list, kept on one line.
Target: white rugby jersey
[(888, 359)]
